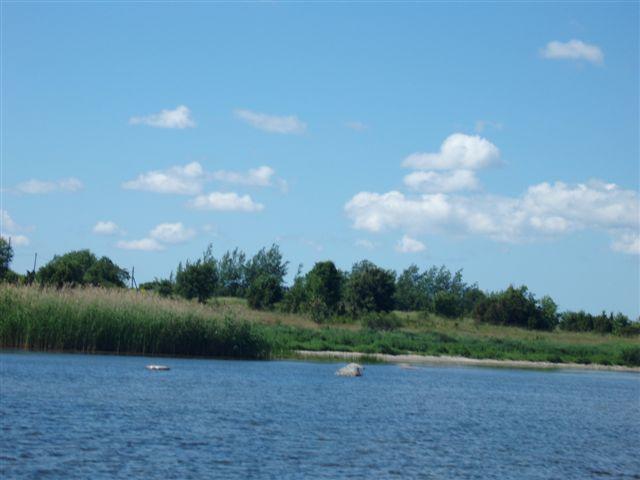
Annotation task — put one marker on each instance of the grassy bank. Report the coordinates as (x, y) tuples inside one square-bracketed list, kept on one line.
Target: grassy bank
[(120, 321)]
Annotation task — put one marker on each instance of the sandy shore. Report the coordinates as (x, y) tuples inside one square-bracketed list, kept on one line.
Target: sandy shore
[(448, 360)]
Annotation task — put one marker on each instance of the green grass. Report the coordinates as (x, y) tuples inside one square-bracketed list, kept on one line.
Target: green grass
[(123, 321)]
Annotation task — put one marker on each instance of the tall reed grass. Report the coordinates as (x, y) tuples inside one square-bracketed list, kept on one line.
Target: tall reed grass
[(120, 321)]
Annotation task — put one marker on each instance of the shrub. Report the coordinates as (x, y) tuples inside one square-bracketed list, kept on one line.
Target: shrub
[(381, 321)]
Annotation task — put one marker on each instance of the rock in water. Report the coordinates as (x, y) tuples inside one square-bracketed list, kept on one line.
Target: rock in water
[(351, 370), (157, 368)]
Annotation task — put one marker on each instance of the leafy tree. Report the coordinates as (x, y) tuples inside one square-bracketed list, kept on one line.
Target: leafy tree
[(323, 285), (370, 289), (447, 304), (410, 294), (198, 279), (68, 269), (265, 271), (264, 292), (163, 287), (296, 297), (105, 273), (6, 256), (472, 296), (231, 271)]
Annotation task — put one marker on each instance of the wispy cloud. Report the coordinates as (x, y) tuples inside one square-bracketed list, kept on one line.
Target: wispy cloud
[(410, 245), (430, 182), (364, 243), (573, 50), (289, 124), (179, 118), (482, 125), (255, 177), (40, 187), (225, 202), (458, 151), (106, 228), (143, 244)]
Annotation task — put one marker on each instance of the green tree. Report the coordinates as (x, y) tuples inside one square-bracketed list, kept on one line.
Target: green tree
[(447, 304), (231, 271), (68, 269), (198, 279), (369, 289), (6, 256), (105, 273), (410, 294), (323, 284), (265, 274)]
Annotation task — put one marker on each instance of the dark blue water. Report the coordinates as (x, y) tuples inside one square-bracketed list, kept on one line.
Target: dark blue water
[(77, 416)]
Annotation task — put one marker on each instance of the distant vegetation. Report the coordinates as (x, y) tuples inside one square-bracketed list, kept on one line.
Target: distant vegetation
[(368, 307)]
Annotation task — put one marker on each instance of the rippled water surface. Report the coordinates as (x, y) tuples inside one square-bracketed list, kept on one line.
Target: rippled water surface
[(77, 416)]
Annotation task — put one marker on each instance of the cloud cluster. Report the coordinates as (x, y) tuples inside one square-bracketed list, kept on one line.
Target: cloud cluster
[(39, 187), (289, 124), (182, 180), (9, 230), (179, 118), (544, 210), (573, 50), (160, 236)]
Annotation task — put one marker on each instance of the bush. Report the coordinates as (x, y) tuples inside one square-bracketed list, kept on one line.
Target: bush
[(381, 321), (447, 304), (199, 279), (369, 289), (264, 292)]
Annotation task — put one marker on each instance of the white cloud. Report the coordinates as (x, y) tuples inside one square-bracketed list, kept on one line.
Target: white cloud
[(458, 151), (172, 233), (144, 244), (543, 210), (37, 187), (9, 229), (106, 228), (178, 118), (573, 50), (432, 182), (357, 126), (186, 180), (627, 243), (255, 177), (228, 202), (272, 123), (16, 240), (410, 245)]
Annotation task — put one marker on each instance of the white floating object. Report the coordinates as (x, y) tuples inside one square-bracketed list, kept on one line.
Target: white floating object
[(351, 370), (157, 367)]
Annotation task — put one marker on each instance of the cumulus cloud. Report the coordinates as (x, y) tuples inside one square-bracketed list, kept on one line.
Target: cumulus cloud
[(543, 210), (458, 151), (144, 244), (106, 228), (190, 179), (9, 230), (573, 50), (410, 245), (172, 233), (179, 118), (431, 182), (183, 180), (39, 187), (225, 202), (289, 124)]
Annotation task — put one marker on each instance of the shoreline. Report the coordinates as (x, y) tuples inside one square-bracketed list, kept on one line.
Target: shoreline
[(460, 361)]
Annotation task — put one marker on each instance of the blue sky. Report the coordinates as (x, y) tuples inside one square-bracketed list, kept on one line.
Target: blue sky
[(498, 138)]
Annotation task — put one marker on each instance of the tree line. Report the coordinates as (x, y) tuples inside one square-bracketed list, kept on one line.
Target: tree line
[(366, 292)]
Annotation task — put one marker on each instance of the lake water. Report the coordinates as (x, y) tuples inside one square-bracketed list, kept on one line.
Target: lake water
[(99, 417)]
